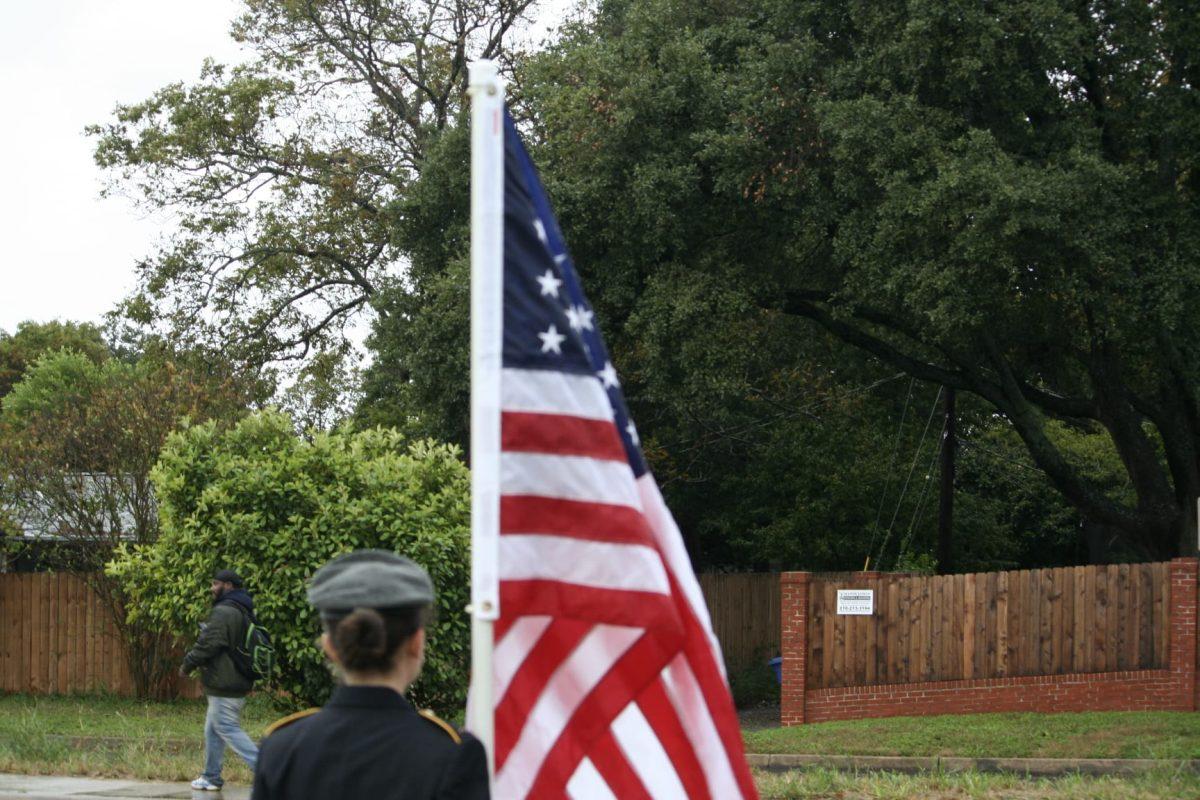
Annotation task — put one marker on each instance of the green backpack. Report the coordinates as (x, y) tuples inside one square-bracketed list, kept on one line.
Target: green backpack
[(254, 656)]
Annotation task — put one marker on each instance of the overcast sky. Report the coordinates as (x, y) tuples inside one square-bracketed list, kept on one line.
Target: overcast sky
[(64, 64), (66, 253)]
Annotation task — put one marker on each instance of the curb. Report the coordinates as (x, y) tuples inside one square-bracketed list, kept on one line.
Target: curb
[(1039, 767)]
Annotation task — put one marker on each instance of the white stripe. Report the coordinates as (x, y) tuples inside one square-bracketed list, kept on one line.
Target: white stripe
[(568, 478), (511, 651), (571, 682), (646, 755), (602, 565), (676, 559), (690, 705), (587, 784), (542, 391)]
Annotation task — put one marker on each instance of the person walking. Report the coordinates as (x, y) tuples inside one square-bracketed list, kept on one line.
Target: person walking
[(370, 742), (224, 684)]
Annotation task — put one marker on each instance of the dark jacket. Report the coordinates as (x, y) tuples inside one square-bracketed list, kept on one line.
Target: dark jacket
[(224, 628), (369, 743)]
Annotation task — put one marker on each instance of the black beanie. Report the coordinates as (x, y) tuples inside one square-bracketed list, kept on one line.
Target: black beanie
[(228, 576)]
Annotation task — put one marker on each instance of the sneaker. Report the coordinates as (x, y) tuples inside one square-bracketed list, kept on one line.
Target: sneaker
[(203, 784)]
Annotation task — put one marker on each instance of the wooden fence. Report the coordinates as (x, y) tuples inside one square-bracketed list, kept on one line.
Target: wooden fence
[(745, 616), (57, 638), (990, 625)]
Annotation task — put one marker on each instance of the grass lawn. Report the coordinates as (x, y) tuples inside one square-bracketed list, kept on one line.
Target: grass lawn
[(114, 737), (822, 784), (1107, 734)]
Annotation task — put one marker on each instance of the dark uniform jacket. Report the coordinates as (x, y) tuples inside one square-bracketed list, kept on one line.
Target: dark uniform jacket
[(369, 743), (225, 625)]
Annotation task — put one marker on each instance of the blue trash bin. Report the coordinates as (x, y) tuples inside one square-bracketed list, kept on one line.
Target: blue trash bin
[(777, 667)]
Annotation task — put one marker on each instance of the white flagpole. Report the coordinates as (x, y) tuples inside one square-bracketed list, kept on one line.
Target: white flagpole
[(487, 277)]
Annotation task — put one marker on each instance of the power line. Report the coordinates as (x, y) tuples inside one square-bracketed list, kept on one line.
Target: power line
[(887, 483), (912, 526), (912, 467)]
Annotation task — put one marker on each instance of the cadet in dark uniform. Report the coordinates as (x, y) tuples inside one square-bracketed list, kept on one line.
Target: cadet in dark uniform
[(369, 742)]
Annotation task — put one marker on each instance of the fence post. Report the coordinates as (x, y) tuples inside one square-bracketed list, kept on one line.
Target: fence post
[(1183, 629), (793, 614)]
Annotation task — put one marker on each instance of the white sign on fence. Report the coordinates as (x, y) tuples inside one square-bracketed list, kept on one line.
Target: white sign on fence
[(856, 601)]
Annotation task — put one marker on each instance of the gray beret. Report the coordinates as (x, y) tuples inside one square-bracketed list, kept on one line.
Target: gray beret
[(370, 579)]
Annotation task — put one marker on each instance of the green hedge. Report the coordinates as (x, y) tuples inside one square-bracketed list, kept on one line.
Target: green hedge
[(275, 506)]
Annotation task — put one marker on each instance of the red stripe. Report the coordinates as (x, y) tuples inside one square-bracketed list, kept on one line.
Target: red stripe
[(573, 601), (560, 434), (613, 766), (702, 659), (632, 672), (714, 689), (558, 641), (664, 720), (601, 522), (500, 627)]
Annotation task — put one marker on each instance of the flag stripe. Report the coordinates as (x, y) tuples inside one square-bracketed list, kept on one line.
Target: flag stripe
[(586, 784), (689, 701), (568, 478), (526, 557), (602, 522), (557, 706), (511, 648), (605, 699), (643, 749), (542, 391), (656, 706), (530, 675), (713, 691), (560, 434), (670, 544), (612, 607), (612, 765)]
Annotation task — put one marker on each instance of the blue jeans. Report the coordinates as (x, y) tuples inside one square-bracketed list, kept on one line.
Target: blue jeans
[(221, 727)]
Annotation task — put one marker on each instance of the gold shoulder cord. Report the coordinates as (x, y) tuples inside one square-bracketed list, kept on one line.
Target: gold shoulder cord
[(441, 723), (288, 720)]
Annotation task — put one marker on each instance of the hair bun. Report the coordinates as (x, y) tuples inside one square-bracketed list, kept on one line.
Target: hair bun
[(360, 638)]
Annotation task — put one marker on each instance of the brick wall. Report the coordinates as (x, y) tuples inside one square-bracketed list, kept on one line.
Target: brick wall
[(1171, 689)]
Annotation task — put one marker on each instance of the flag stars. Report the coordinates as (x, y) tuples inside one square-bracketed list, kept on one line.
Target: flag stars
[(608, 376), (552, 340), (549, 283), (633, 434), (579, 318), (540, 230)]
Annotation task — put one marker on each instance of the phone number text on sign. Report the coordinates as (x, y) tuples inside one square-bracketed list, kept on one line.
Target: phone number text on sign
[(856, 601)]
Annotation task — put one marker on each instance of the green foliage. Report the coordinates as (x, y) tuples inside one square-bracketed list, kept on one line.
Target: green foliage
[(77, 442), (754, 685), (31, 340), (276, 507), (996, 197), (286, 210)]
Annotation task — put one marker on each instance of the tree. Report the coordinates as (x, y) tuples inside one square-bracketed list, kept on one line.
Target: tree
[(286, 172), (998, 198), (277, 506), (20, 349), (78, 440)]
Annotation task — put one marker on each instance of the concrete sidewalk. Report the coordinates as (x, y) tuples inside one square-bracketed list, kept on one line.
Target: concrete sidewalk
[(53, 787)]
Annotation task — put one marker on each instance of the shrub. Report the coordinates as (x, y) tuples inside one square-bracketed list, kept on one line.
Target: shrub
[(275, 507)]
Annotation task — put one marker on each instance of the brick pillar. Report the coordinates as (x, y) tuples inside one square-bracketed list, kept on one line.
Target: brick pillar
[(1182, 618), (793, 614)]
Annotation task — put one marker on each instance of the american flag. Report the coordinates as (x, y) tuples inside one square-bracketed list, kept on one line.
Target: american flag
[(608, 679)]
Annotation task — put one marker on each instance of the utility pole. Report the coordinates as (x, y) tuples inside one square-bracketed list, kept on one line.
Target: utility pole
[(945, 536)]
